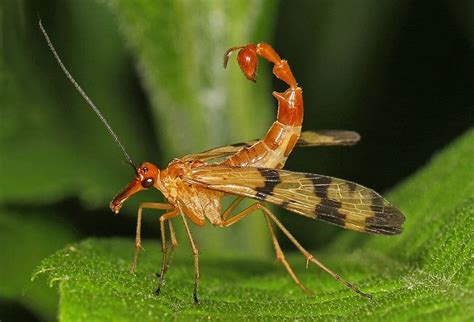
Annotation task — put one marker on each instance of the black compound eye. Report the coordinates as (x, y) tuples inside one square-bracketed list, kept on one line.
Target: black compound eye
[(147, 182)]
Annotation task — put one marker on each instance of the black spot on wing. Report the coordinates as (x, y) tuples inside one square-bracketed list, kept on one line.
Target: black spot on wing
[(327, 209), (381, 230), (387, 220), (377, 203), (272, 178), (352, 186), (285, 204), (330, 214)]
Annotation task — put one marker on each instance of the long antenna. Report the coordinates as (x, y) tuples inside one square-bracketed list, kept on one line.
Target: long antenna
[(83, 94)]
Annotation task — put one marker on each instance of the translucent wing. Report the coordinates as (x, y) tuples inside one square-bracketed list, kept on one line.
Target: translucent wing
[(219, 152), (307, 139), (336, 201), (328, 137)]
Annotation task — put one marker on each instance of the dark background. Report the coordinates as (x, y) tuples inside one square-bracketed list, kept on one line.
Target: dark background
[(398, 72)]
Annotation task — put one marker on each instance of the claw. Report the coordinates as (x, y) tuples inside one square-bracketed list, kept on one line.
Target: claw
[(247, 59)]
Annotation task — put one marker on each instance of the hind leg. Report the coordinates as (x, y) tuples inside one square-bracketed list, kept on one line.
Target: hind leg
[(311, 258), (281, 257), (306, 254)]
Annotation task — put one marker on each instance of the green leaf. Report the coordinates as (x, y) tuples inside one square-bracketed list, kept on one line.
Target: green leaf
[(26, 237), (426, 273)]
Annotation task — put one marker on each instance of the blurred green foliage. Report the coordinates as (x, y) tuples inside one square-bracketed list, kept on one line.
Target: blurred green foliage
[(398, 72)]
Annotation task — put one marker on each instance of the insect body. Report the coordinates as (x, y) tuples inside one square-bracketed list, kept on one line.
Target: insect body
[(195, 184)]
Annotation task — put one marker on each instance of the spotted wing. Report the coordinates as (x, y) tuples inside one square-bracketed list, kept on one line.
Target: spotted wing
[(307, 139), (336, 201)]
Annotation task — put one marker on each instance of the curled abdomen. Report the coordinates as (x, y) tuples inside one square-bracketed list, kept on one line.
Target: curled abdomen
[(273, 150)]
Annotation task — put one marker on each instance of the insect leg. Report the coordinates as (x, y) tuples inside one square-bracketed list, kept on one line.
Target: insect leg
[(164, 261), (138, 239), (174, 243), (196, 258), (239, 216), (310, 257), (279, 253), (281, 257), (231, 207)]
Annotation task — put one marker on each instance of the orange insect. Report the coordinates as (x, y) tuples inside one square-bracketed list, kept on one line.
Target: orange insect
[(194, 185)]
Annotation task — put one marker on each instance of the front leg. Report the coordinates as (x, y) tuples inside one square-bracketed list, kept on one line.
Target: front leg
[(174, 243), (138, 239), (164, 251)]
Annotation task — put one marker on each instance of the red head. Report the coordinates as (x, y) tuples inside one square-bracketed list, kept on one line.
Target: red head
[(146, 177)]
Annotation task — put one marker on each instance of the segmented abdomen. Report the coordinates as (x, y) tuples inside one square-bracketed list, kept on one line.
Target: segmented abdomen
[(273, 150)]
